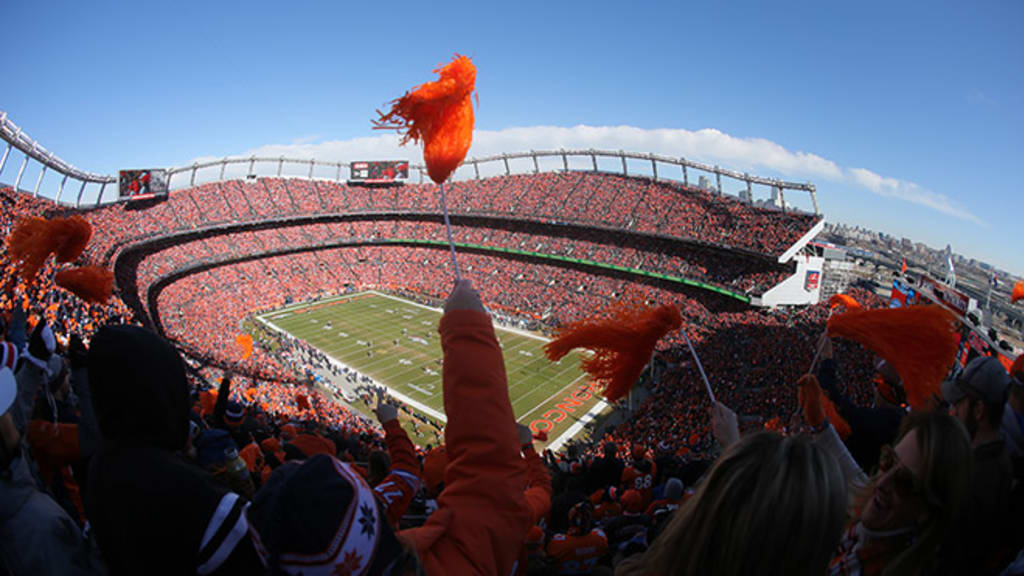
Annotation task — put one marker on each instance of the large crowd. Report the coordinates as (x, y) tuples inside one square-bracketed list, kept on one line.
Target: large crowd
[(126, 452), (733, 272), (621, 203)]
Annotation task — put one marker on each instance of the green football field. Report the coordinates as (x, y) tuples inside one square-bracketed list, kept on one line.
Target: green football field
[(395, 342)]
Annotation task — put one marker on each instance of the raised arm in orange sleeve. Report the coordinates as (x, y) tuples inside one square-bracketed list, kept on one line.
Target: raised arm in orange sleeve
[(53, 445), (538, 488), (398, 488), (482, 517)]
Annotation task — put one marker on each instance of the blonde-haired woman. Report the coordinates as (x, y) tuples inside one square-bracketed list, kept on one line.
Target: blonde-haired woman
[(903, 513), (770, 505)]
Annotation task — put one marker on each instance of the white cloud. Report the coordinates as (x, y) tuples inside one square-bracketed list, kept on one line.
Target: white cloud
[(753, 155), (706, 145), (910, 192)]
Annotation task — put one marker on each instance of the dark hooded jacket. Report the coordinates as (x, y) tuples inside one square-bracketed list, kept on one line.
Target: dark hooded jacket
[(36, 535), (152, 510)]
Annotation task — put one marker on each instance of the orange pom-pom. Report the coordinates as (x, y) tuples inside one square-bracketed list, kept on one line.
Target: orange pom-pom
[(31, 243), (1018, 291), (838, 422), (809, 396), (439, 113), (71, 235), (244, 342), (1017, 368), (90, 283), (843, 300), (918, 341), (622, 342)]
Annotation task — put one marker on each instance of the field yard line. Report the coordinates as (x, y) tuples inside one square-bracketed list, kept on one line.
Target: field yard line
[(570, 368), (307, 303), (560, 391), (577, 426), (496, 326), (401, 397)]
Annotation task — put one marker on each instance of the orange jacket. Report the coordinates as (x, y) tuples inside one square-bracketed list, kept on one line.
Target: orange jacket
[(398, 488), (313, 444), (578, 553), (642, 482), (538, 497), (207, 400), (55, 448), (482, 516), (538, 491)]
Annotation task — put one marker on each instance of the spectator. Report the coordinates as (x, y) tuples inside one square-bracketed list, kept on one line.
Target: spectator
[(606, 504), (151, 510), (396, 489), (674, 497), (538, 480), (873, 426), (769, 505), (579, 549), (640, 474), (485, 479), (53, 436), (606, 470), (1013, 416), (978, 396), (902, 514), (36, 535), (627, 534)]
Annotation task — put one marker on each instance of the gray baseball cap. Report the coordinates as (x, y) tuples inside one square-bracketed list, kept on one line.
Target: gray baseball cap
[(983, 378)]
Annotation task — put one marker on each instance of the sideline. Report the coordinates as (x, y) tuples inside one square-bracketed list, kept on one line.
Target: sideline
[(578, 426), (398, 395)]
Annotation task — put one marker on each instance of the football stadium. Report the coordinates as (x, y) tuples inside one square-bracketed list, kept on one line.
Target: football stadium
[(339, 285), (560, 360)]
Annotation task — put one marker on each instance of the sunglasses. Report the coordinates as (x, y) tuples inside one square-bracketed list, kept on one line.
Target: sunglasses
[(904, 482)]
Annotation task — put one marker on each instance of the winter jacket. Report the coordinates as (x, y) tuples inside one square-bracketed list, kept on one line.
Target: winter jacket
[(152, 511), (37, 537), (398, 488), (538, 491), (871, 427), (483, 515), (1012, 432)]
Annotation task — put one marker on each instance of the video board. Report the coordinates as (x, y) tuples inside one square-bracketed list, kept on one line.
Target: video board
[(142, 184), (382, 171)]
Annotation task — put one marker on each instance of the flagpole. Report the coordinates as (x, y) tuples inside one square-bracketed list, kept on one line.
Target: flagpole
[(700, 367), (448, 227), (817, 352)]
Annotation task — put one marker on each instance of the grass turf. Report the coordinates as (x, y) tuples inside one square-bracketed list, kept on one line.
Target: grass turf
[(395, 342)]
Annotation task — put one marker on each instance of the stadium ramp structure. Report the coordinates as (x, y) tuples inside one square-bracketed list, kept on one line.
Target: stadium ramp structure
[(803, 287)]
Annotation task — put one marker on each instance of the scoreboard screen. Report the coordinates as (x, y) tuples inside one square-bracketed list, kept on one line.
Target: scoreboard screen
[(379, 171), (142, 184)]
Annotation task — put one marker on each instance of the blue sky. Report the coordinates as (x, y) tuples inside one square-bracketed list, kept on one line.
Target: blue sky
[(908, 118)]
